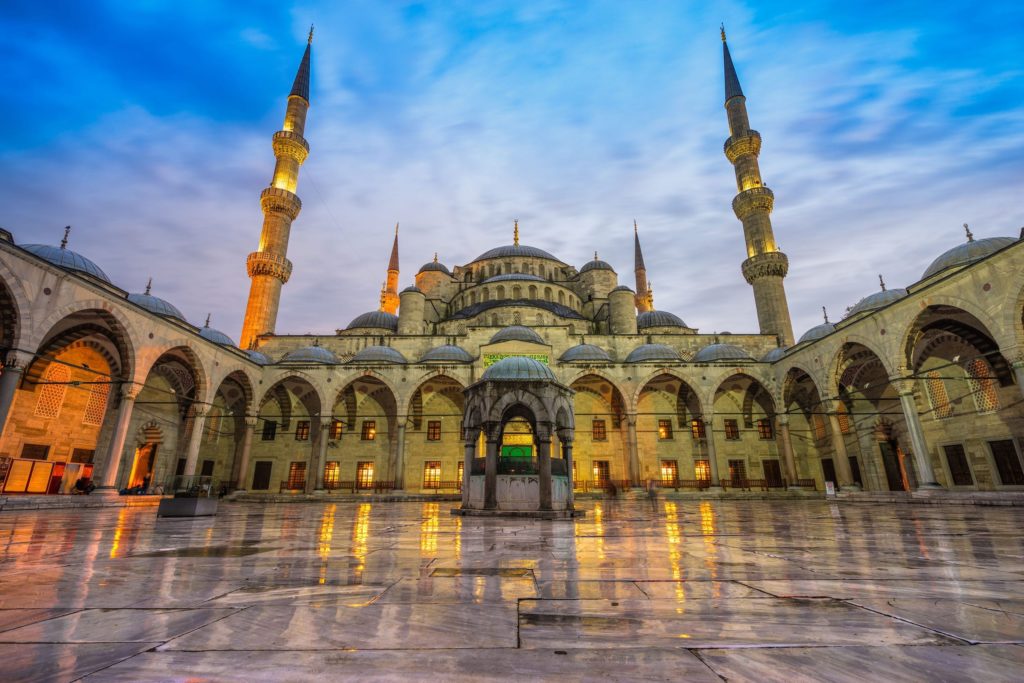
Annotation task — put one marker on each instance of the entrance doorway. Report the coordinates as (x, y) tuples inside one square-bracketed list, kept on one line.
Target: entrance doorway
[(828, 470), (893, 473), (772, 473), (142, 468)]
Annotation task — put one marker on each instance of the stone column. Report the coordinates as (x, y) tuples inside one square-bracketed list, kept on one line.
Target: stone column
[(467, 470), (491, 473), (243, 466), (905, 388), (14, 366), (709, 437), (844, 473), (195, 441), (544, 470), (1018, 370), (634, 453), (112, 461), (567, 454), (319, 458), (788, 458), (400, 456)]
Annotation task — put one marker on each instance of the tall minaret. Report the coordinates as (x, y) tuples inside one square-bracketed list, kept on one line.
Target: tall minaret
[(268, 266), (644, 293), (389, 292), (765, 266)]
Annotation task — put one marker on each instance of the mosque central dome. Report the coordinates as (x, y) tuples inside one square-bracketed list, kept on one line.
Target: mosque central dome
[(515, 251)]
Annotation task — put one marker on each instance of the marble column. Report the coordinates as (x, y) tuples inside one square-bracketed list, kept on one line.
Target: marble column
[(467, 470), (844, 473), (107, 478), (491, 474), (567, 454), (14, 366), (400, 456), (925, 473), (1018, 370), (788, 457), (634, 452), (315, 481), (195, 440), (243, 466), (544, 471), (709, 437)]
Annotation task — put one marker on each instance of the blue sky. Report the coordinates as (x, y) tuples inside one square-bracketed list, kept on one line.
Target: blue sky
[(147, 127)]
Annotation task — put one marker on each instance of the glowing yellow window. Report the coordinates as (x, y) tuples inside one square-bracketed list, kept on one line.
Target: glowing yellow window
[(364, 475), (702, 470), (432, 474), (669, 471)]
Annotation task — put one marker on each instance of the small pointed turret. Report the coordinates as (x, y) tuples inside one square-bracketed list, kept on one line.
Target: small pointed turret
[(644, 294), (389, 292), (732, 81), (515, 233), (300, 86)]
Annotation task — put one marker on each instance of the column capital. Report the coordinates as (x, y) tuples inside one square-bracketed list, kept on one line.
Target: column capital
[(631, 419), (251, 422), (782, 419), (903, 385), (130, 391), (17, 360)]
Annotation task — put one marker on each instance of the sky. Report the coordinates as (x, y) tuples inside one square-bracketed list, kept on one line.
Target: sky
[(147, 126)]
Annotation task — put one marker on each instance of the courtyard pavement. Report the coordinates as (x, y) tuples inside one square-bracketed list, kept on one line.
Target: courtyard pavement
[(691, 590)]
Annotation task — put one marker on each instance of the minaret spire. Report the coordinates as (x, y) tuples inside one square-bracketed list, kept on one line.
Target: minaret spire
[(644, 293), (515, 233), (766, 266), (268, 266), (389, 292)]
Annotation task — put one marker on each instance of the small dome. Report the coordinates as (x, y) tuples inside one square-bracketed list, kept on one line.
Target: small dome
[(649, 353), (412, 288), (377, 354), (66, 259), (449, 353), (817, 332), (155, 304), (258, 358), (876, 300), (716, 352), (774, 355), (515, 251), (518, 369), (586, 353), (623, 288), (513, 276), (517, 333), (375, 320), (596, 264), (216, 336), (966, 253), (658, 319), (311, 354), (434, 267)]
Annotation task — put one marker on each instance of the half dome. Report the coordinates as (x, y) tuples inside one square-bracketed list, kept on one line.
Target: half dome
[(155, 304), (66, 259), (517, 333), (518, 369), (378, 320), (377, 354), (311, 355), (650, 353), (967, 253), (658, 319), (720, 352), (449, 353), (586, 353)]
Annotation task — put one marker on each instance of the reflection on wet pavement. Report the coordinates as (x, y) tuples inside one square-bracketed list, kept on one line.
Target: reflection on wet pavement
[(747, 590)]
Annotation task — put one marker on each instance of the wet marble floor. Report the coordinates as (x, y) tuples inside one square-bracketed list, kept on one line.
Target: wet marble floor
[(702, 591)]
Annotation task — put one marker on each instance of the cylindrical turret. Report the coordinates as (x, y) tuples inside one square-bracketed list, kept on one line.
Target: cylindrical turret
[(410, 312), (623, 310)]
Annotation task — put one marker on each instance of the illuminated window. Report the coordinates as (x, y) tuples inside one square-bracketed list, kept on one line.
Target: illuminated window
[(702, 470), (297, 475), (937, 395), (432, 474), (336, 429), (764, 429), (732, 430), (664, 429), (598, 432), (332, 474), (669, 471), (97, 404), (302, 430), (982, 386), (364, 475), (369, 430), (434, 430), (462, 470), (737, 469), (51, 395), (601, 473), (269, 430), (697, 429)]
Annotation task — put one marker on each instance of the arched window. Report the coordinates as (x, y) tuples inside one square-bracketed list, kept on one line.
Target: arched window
[(500, 292), (561, 297), (51, 395), (96, 406), (540, 270), (844, 418), (937, 395), (533, 291), (472, 298), (982, 385), (517, 292), (487, 294), (818, 423), (547, 293)]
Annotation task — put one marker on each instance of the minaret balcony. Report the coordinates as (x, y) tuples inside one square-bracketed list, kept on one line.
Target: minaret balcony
[(742, 145), (277, 200), (754, 200), (768, 264), (290, 144), (265, 263)]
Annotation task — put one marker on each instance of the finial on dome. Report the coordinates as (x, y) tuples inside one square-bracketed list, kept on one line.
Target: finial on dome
[(595, 256), (515, 233), (721, 27), (64, 242), (309, 41), (149, 286), (825, 313), (881, 281), (435, 257), (316, 341), (207, 323), (970, 235)]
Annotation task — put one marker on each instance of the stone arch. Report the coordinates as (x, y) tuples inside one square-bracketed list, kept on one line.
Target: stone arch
[(79, 311), (937, 325), (11, 320), (840, 361)]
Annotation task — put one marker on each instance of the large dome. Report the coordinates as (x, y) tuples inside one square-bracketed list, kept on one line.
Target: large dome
[(649, 353), (966, 253), (66, 259), (449, 353), (876, 300), (658, 319), (517, 333), (817, 332), (311, 355), (518, 369), (586, 353), (155, 304), (378, 320), (515, 251), (718, 352), (378, 354)]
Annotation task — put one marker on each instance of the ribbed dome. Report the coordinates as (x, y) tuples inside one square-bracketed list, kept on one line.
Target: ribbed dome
[(216, 336), (586, 353), (434, 267), (658, 319), (311, 354), (377, 354), (375, 320), (66, 259), (968, 252), (876, 300), (515, 251), (817, 332), (518, 369), (596, 264), (517, 333), (412, 288), (716, 352), (258, 358), (513, 276), (155, 304), (649, 353), (774, 355), (449, 353)]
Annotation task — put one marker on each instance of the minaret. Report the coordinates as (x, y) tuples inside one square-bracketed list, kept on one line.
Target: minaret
[(644, 294), (389, 292), (765, 266), (268, 266)]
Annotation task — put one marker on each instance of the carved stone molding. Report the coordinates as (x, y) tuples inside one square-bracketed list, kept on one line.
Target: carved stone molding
[(738, 146), (772, 263), (263, 263), (276, 200), (755, 199)]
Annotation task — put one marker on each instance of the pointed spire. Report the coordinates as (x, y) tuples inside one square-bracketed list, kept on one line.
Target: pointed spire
[(515, 233), (207, 324), (300, 87), (881, 281), (638, 255), (149, 286), (435, 257), (595, 256), (393, 263), (67, 231), (732, 81), (970, 235), (825, 314)]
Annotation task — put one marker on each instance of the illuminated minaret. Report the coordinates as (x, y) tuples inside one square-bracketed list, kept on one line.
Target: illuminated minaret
[(268, 266), (644, 293), (765, 266), (389, 292)]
